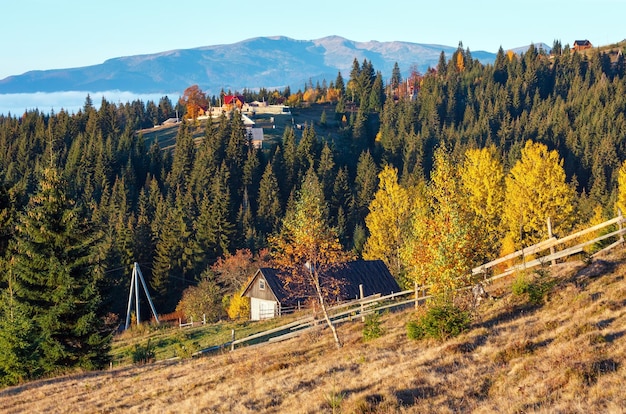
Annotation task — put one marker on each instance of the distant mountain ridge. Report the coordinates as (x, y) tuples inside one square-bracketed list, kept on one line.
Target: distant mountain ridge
[(262, 62)]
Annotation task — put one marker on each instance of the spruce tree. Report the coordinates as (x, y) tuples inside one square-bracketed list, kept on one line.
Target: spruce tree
[(18, 341), (396, 76), (269, 211), (57, 280), (184, 155), (365, 182), (340, 85)]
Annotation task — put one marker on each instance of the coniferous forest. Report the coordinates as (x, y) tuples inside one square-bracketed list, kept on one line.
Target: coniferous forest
[(416, 166)]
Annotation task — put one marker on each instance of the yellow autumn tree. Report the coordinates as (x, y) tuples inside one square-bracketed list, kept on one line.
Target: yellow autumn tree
[(460, 61), (333, 95), (621, 188), (310, 96), (536, 189), (441, 247), (238, 307), (415, 252), (387, 221), (482, 179)]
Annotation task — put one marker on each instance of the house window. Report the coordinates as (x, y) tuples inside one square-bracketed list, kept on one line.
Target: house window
[(261, 284)]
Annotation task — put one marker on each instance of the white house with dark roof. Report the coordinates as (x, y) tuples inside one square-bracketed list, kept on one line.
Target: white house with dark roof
[(268, 296)]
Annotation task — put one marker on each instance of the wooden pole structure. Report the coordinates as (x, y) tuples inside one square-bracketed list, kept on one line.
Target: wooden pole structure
[(362, 305), (145, 289), (550, 235), (137, 313), (134, 288), (130, 300), (620, 225)]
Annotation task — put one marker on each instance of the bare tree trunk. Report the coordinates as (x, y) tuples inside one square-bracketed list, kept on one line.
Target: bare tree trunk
[(324, 310)]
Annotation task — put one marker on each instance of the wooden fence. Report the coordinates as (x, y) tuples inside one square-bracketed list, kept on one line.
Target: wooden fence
[(526, 258)]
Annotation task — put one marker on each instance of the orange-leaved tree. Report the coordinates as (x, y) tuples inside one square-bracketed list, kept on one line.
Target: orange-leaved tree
[(195, 101), (307, 249)]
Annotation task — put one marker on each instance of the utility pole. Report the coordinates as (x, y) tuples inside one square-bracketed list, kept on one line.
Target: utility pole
[(134, 288)]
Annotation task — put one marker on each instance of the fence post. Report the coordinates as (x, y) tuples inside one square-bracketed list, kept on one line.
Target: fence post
[(232, 340), (417, 295), (552, 249), (621, 226), (362, 306)]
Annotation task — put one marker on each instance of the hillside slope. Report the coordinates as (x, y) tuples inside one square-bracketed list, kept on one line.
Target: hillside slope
[(566, 354)]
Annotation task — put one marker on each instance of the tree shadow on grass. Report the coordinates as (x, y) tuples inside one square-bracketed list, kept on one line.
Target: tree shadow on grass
[(512, 314), (409, 396), (613, 336)]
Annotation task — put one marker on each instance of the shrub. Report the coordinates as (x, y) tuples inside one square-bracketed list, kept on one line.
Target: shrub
[(535, 290), (202, 300), (238, 307), (372, 328), (439, 322), (143, 354), (334, 399)]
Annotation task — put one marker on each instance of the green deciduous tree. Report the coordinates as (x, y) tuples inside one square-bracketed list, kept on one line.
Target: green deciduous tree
[(203, 300)]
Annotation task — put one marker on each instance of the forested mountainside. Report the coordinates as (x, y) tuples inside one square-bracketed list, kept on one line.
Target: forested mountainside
[(84, 196)]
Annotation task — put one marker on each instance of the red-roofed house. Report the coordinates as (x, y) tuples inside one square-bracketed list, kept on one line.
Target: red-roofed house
[(232, 101)]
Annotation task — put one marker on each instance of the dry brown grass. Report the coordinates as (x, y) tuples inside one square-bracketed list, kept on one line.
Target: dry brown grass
[(567, 355)]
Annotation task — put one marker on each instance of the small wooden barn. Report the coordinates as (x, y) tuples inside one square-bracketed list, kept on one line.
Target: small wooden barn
[(268, 296), (582, 45)]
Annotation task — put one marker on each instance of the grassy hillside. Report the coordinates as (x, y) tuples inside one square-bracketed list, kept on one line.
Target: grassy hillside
[(273, 126), (564, 353)]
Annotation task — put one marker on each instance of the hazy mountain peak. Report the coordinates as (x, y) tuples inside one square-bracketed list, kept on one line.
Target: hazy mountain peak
[(271, 62)]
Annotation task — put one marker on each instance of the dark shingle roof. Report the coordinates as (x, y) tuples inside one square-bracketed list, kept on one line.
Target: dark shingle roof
[(372, 274)]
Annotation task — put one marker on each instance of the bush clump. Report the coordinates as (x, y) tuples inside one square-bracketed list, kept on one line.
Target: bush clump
[(143, 354), (372, 328), (534, 289), (439, 322)]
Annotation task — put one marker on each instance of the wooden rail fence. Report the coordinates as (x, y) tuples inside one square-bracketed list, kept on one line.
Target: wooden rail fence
[(414, 297)]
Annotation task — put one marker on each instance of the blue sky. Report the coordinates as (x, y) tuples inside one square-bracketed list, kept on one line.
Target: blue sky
[(44, 34)]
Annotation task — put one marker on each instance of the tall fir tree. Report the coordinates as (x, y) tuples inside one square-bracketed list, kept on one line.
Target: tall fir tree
[(58, 277), (269, 210)]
